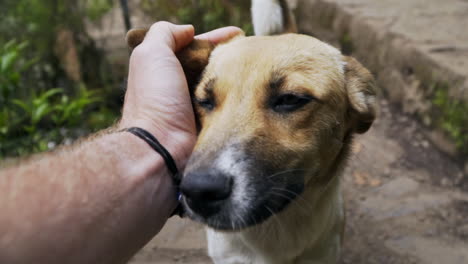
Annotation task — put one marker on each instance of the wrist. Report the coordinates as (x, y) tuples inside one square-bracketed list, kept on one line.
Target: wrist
[(178, 143)]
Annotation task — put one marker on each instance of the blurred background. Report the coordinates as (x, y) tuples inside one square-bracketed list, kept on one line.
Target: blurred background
[(63, 66), (63, 63)]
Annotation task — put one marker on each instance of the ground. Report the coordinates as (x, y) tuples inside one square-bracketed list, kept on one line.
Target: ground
[(406, 202)]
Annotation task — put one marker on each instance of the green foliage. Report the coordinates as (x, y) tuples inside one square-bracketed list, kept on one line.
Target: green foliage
[(205, 15), (41, 119), (40, 22), (36, 109), (453, 117), (37, 121), (11, 66), (95, 9), (34, 114)]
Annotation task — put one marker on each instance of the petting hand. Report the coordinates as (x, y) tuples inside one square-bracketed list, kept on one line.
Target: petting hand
[(157, 97)]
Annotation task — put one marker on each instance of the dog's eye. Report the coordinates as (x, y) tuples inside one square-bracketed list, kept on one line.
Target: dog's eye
[(207, 103), (290, 102)]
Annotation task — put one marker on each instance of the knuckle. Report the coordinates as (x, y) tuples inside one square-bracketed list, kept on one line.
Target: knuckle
[(161, 25), (139, 53)]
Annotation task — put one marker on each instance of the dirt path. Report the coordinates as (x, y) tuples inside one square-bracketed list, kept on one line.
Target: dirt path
[(406, 203)]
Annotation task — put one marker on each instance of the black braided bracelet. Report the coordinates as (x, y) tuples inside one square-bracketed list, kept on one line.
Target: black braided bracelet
[(170, 163)]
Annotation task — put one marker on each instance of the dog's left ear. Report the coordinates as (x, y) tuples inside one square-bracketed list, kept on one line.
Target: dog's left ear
[(361, 89)]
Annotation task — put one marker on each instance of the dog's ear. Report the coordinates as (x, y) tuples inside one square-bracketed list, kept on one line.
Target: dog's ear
[(361, 89), (193, 58), (135, 37)]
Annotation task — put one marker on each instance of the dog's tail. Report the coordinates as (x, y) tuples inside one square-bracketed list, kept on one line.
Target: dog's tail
[(271, 17)]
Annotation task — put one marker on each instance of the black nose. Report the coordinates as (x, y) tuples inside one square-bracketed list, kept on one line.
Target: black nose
[(205, 191), (206, 187)]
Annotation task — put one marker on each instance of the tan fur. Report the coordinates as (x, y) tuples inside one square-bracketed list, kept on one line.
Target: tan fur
[(241, 75)]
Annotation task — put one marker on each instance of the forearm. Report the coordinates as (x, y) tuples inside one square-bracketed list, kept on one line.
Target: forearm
[(85, 204)]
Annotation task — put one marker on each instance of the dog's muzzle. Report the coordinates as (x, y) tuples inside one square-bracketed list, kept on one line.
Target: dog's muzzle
[(233, 189)]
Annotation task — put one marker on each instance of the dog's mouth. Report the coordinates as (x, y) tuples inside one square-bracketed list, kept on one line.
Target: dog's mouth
[(251, 201)]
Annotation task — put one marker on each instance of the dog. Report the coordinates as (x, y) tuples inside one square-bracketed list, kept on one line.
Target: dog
[(277, 116)]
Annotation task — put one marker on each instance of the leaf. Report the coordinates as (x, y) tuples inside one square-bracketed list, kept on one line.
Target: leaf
[(30, 129), (8, 60), (40, 112), (22, 105), (374, 182), (9, 45), (50, 93), (28, 64), (360, 178), (23, 45), (357, 147), (364, 178)]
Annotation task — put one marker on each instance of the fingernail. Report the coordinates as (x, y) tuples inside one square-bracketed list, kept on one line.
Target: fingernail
[(185, 27)]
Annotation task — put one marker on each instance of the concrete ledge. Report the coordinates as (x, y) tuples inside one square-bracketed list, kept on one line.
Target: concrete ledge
[(417, 49)]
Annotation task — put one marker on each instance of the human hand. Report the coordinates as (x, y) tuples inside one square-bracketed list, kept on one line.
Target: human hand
[(157, 97)]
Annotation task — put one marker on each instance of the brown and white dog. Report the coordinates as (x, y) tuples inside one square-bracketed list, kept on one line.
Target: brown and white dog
[(277, 115)]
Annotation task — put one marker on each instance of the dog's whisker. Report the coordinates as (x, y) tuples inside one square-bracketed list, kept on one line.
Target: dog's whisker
[(240, 219), (292, 200), (276, 219), (297, 198), (254, 221), (284, 172)]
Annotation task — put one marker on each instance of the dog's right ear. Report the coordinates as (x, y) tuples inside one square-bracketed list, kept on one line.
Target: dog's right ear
[(135, 37), (193, 58)]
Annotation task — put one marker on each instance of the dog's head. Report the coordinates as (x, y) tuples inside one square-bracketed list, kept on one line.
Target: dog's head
[(276, 115)]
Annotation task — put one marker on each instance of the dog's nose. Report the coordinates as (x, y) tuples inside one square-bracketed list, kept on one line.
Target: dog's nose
[(206, 187), (204, 191)]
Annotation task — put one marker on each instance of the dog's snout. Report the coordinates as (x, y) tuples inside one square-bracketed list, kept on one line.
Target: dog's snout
[(205, 190), (206, 186)]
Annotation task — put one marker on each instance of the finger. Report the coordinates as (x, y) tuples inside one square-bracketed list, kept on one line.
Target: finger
[(221, 34), (173, 36)]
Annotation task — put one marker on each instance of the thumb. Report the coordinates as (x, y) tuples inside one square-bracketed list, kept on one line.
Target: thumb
[(174, 36)]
